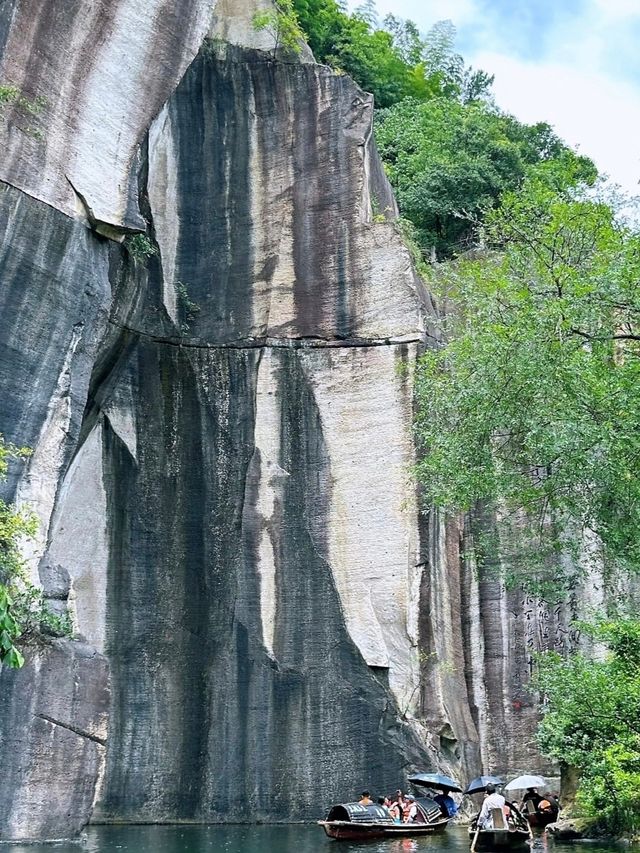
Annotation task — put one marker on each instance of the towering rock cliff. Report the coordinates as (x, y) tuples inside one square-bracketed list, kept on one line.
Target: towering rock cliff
[(221, 423)]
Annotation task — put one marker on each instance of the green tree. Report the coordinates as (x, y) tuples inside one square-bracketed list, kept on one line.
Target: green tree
[(531, 405), (393, 61), (13, 526), (22, 609), (449, 162), (282, 23), (592, 722)]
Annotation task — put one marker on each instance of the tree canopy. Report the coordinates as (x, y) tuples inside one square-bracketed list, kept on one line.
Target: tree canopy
[(391, 60), (449, 162), (531, 404)]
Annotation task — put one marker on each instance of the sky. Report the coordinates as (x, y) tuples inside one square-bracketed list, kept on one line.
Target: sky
[(572, 63)]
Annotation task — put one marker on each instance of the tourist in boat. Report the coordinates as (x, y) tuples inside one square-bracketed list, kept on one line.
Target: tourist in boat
[(410, 809), (554, 799), (548, 806), (447, 804), (395, 811), (385, 803), (366, 799), (492, 800), (398, 804)]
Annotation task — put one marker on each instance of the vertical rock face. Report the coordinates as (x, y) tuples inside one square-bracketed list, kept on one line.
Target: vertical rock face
[(54, 715), (222, 440), (244, 496), (91, 76)]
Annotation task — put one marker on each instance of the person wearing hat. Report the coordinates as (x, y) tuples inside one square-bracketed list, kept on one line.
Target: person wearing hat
[(447, 804), (410, 808)]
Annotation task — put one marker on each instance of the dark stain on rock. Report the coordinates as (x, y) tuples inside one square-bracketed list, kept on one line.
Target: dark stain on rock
[(174, 522), (214, 260), (7, 11)]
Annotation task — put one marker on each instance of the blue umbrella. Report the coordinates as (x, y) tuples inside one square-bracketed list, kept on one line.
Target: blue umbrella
[(435, 780), (481, 782)]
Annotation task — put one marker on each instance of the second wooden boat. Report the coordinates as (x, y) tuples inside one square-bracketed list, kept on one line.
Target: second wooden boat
[(511, 834)]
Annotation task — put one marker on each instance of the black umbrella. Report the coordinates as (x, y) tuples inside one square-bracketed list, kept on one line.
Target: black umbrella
[(479, 784), (435, 780)]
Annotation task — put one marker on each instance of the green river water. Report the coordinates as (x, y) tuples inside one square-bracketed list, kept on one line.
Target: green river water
[(267, 839)]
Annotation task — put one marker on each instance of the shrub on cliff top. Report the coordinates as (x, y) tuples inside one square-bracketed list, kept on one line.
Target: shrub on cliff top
[(392, 60), (282, 24)]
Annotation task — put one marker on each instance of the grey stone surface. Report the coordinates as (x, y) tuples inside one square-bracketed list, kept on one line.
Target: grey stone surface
[(270, 232), (55, 580), (54, 297), (223, 444), (54, 714), (92, 74)]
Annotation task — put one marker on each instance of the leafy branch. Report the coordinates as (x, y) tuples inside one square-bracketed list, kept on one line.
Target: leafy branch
[(282, 24)]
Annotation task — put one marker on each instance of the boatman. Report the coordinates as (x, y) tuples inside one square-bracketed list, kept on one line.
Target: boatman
[(491, 801), (447, 804), (533, 796)]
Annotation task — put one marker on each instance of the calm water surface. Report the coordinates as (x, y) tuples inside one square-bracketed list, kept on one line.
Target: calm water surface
[(267, 839)]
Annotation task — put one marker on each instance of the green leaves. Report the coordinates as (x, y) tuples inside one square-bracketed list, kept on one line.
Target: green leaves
[(532, 406), (282, 23), (451, 162), (22, 609), (393, 61), (592, 722)]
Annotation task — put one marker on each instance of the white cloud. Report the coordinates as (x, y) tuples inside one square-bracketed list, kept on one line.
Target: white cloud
[(586, 82), (590, 110), (618, 8), (425, 15)]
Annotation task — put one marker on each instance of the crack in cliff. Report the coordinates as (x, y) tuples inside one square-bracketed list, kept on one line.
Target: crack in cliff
[(308, 342), (110, 230), (76, 731)]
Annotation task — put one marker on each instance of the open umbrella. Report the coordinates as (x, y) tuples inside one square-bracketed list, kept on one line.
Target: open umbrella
[(435, 780), (523, 782), (481, 782)]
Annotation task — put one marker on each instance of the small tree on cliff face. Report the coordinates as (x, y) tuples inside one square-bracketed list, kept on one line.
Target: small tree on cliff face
[(14, 525), (592, 723), (22, 609), (281, 22)]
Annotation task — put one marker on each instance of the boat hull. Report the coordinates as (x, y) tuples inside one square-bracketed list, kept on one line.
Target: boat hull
[(350, 831), (541, 819), (501, 839)]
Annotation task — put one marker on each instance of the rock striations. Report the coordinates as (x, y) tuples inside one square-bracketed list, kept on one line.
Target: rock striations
[(221, 422)]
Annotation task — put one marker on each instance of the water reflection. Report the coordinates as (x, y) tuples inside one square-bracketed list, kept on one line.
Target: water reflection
[(265, 839)]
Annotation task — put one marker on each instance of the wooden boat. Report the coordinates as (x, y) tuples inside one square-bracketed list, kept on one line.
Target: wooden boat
[(351, 821), (512, 835), (539, 818)]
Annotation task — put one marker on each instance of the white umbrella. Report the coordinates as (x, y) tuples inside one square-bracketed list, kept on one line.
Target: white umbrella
[(523, 782)]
